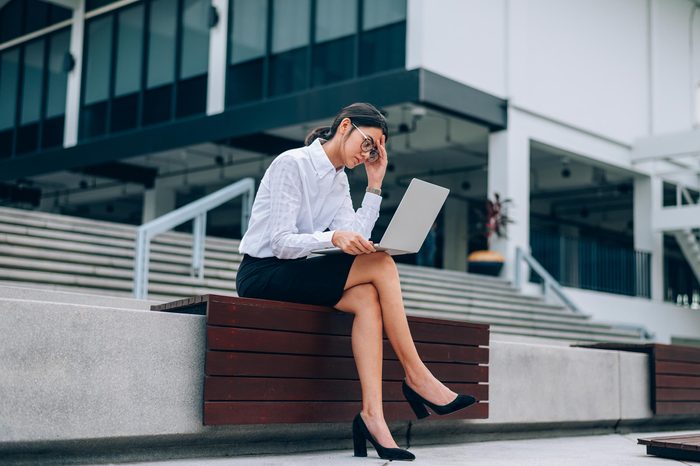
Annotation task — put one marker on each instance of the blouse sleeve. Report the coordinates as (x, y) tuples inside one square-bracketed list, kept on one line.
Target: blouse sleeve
[(285, 204), (361, 221)]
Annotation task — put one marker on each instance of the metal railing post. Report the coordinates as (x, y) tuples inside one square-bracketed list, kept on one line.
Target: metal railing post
[(199, 229), (196, 211)]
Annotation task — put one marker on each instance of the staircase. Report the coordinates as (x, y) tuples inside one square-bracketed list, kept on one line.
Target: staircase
[(55, 252), (689, 242)]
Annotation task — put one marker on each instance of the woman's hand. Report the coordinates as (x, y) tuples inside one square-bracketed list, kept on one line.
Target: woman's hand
[(377, 169), (352, 243)]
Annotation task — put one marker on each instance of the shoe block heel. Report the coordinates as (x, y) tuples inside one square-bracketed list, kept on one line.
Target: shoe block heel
[(418, 408), (358, 440)]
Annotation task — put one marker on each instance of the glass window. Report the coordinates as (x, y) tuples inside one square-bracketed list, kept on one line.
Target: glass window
[(334, 48), (195, 38), (10, 26), (32, 83), (161, 43), (57, 78), (290, 38), (383, 40), (37, 15), (378, 13), (248, 37), (129, 51), (97, 63), (290, 26), (335, 19), (9, 69)]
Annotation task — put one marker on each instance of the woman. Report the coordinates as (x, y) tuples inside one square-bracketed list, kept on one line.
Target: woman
[(305, 192)]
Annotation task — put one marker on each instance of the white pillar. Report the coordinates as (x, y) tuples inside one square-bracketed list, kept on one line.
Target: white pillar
[(509, 176), (70, 128), (648, 194), (454, 234), (157, 201), (218, 41)]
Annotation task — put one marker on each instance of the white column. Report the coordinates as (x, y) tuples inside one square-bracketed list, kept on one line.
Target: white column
[(509, 176), (70, 128), (157, 201), (454, 233), (648, 194), (218, 40)]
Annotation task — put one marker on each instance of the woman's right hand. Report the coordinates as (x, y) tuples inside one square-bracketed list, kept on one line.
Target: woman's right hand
[(352, 243)]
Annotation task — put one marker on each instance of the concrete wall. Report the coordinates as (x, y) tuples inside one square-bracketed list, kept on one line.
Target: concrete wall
[(76, 376), (602, 66)]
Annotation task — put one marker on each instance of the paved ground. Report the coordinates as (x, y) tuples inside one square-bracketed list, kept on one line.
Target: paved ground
[(599, 450)]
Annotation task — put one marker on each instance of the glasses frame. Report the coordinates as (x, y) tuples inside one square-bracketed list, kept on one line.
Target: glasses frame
[(373, 151)]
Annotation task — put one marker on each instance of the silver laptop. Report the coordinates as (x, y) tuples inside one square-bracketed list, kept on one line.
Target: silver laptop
[(412, 220)]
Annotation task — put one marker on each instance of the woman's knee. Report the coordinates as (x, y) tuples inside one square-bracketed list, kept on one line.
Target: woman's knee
[(361, 299)]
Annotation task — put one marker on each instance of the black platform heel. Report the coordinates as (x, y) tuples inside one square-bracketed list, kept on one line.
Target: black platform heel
[(418, 403), (360, 435)]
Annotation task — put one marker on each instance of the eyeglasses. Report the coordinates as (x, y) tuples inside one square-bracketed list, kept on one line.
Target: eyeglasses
[(368, 146)]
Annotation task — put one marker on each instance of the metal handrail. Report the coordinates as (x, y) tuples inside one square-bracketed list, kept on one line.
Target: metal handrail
[(549, 284), (196, 211)]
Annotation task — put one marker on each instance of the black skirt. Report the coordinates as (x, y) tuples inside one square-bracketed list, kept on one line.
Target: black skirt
[(317, 280)]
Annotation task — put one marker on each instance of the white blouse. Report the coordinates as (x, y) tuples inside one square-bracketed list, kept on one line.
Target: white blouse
[(301, 196)]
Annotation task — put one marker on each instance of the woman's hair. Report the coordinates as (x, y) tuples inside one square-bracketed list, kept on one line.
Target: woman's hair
[(362, 114)]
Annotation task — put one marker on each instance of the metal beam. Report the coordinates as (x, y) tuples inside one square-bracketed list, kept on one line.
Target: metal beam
[(667, 146), (676, 218), (125, 172)]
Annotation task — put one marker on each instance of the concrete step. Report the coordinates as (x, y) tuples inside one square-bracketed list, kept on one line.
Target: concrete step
[(428, 290), (484, 315)]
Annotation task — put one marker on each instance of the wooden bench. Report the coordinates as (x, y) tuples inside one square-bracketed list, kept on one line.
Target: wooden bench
[(680, 447), (279, 362), (675, 375)]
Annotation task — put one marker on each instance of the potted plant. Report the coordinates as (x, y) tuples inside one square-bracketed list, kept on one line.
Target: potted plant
[(495, 220)]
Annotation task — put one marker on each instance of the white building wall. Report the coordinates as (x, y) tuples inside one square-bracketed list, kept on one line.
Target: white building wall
[(590, 65)]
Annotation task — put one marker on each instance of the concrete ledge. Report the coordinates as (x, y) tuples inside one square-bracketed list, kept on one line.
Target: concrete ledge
[(80, 383)]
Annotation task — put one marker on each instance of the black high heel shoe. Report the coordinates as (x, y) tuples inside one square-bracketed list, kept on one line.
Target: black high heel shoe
[(418, 403), (360, 434)]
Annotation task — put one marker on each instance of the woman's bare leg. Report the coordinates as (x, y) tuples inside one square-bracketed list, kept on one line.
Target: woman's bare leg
[(379, 270), (363, 301)]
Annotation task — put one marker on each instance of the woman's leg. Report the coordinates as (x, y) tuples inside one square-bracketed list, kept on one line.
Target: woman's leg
[(379, 270), (363, 301)]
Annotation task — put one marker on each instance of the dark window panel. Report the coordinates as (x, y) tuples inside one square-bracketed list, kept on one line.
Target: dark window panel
[(383, 49), (156, 104), (27, 138), (9, 79), (288, 72), (161, 43), (37, 16), (93, 120), (11, 20), (6, 142), (52, 132), (192, 96), (93, 4), (129, 51), (57, 77), (98, 60), (244, 82), (33, 78), (195, 38), (124, 112), (333, 61), (58, 14)]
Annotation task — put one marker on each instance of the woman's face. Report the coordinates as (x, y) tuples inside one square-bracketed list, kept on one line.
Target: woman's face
[(353, 154)]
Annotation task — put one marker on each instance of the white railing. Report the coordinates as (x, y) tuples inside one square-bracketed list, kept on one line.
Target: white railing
[(196, 211), (550, 285)]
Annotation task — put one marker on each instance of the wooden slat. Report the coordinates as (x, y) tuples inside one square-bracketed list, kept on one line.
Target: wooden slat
[(325, 367), (677, 381), (271, 341), (246, 412), (672, 407), (276, 389), (677, 353), (329, 322), (677, 368), (677, 394)]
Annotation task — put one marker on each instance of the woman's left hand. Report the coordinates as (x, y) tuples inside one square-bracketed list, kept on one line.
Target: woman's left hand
[(377, 169)]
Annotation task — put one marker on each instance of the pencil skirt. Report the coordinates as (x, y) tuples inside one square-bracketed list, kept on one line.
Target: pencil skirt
[(317, 280)]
